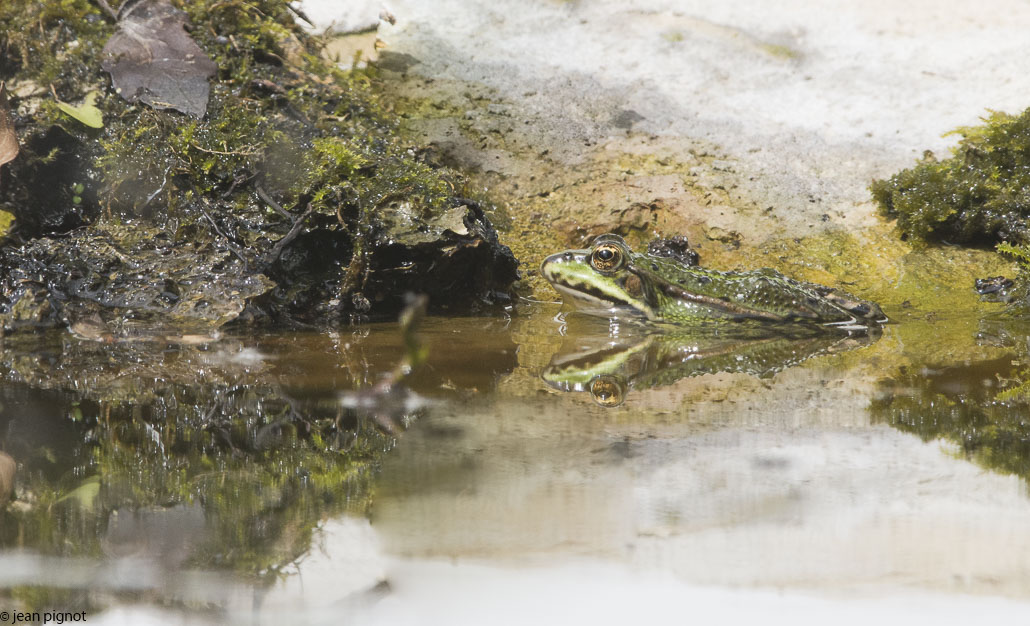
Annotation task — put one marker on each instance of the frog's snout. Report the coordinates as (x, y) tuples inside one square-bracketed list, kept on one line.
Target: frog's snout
[(552, 262)]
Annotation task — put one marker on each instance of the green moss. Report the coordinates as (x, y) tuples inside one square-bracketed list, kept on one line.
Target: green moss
[(57, 43), (979, 195), (6, 220), (290, 146)]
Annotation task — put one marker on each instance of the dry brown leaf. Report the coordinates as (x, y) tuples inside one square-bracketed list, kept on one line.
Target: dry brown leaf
[(8, 138), (152, 59)]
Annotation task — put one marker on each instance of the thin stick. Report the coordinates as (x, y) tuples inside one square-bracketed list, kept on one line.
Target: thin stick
[(107, 9), (299, 13), (273, 255), (272, 203), (228, 242)]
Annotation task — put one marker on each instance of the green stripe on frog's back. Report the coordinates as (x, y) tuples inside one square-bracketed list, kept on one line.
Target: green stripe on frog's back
[(677, 292)]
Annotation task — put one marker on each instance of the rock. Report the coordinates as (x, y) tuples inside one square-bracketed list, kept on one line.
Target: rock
[(637, 217), (455, 258), (332, 16)]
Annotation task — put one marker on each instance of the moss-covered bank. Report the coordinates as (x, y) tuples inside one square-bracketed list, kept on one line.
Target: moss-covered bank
[(981, 194), (294, 178)]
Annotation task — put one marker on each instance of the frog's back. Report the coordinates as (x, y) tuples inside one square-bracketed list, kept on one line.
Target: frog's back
[(682, 292)]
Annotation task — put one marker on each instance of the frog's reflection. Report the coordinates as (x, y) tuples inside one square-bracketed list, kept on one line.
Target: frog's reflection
[(611, 365)]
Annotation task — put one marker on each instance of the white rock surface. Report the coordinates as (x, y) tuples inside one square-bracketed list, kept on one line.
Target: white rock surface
[(801, 103), (340, 16), (810, 100)]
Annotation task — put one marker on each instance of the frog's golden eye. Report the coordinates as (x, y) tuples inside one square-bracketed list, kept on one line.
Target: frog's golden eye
[(606, 257), (607, 390)]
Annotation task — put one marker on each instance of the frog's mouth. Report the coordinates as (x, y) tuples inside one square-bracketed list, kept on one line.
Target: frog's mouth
[(587, 295), (590, 299)]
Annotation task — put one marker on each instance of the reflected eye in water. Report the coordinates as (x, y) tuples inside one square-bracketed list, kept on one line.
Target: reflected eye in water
[(607, 390)]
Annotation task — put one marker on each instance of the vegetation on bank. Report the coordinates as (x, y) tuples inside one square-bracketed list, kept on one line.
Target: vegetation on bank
[(979, 195), (296, 171)]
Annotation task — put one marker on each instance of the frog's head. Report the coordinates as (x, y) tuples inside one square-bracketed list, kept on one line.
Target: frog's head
[(600, 277)]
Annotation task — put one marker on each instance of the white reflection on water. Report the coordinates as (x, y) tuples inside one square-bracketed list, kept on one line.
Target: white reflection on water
[(752, 504), (739, 525), (116, 575)]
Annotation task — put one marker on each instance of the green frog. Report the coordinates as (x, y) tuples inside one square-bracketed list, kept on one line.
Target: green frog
[(610, 279)]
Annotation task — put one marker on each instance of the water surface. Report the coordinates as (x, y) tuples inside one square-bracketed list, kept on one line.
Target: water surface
[(548, 456)]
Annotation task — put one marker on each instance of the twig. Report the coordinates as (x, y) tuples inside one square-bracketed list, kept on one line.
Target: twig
[(299, 13), (357, 267), (236, 182), (164, 182), (298, 224), (107, 9), (234, 152), (228, 242), (272, 203)]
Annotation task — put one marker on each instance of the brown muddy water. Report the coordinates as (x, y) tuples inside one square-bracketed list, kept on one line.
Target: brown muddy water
[(541, 468)]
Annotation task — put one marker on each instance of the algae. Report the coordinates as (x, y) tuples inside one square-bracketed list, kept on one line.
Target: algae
[(979, 195)]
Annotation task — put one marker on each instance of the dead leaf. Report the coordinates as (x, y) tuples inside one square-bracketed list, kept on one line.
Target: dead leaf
[(8, 138), (151, 58)]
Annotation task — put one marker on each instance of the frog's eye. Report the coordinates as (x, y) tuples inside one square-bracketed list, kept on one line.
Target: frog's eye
[(607, 390), (606, 257)]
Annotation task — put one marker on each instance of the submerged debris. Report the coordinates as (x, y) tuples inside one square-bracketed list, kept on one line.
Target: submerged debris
[(995, 287), (126, 275), (1013, 292)]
